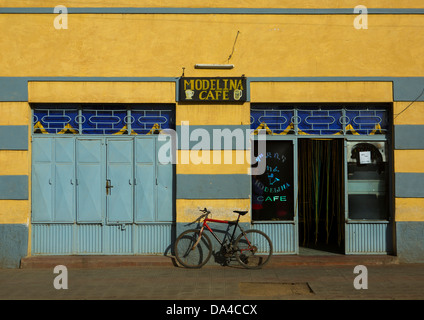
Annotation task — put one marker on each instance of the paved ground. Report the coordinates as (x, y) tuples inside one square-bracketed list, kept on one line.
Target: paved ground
[(308, 278)]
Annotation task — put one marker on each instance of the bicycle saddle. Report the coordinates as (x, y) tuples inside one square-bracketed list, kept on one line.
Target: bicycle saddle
[(242, 213)]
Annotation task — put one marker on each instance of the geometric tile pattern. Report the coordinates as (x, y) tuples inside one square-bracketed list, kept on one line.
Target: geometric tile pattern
[(320, 120), (101, 119)]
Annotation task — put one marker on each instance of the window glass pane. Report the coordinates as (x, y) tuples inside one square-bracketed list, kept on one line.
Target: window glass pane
[(150, 121), (104, 121), (272, 192), (54, 120), (320, 121), (367, 180), (273, 120)]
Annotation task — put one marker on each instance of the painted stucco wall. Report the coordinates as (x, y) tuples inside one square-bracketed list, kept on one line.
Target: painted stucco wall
[(14, 182), (134, 45), (137, 57), (409, 180)]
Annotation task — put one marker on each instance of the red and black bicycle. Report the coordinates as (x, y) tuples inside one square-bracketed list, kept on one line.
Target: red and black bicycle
[(252, 248)]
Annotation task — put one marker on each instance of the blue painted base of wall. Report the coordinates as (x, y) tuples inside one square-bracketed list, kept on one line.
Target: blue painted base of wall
[(160, 240), (92, 239), (409, 241), (369, 238), (13, 244)]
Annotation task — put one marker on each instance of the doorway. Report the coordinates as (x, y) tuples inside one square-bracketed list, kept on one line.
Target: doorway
[(321, 196)]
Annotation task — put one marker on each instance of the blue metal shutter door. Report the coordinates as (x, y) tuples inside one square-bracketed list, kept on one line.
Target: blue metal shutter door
[(145, 197), (64, 180), (120, 176), (164, 187), (42, 180), (90, 180)]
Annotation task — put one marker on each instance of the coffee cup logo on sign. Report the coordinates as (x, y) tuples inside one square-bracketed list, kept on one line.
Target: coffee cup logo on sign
[(237, 94), (189, 94)]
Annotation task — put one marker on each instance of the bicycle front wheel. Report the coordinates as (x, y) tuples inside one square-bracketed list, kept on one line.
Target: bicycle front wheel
[(190, 256), (253, 249)]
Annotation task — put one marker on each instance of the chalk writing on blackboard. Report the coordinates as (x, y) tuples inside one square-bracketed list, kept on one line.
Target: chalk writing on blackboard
[(272, 192)]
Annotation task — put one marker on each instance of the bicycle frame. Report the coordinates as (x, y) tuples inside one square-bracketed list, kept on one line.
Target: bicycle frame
[(205, 224)]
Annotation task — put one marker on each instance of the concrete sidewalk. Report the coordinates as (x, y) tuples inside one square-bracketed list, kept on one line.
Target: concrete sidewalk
[(156, 278)]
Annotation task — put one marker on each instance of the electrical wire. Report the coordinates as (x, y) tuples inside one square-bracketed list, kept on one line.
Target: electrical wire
[(398, 114), (234, 46)]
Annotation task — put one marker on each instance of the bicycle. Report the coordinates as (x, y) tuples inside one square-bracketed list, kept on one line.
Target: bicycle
[(252, 248)]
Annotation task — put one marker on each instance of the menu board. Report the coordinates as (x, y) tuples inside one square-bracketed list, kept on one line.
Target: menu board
[(273, 191)]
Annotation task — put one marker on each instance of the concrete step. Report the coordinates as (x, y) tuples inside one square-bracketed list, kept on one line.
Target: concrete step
[(332, 260), (87, 261), (116, 261)]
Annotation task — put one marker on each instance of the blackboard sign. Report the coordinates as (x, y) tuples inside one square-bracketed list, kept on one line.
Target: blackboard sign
[(273, 191), (218, 89)]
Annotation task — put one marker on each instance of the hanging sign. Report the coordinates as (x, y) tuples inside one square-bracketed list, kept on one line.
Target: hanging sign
[(231, 89)]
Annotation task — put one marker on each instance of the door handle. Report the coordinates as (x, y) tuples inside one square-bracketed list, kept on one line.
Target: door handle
[(108, 187)]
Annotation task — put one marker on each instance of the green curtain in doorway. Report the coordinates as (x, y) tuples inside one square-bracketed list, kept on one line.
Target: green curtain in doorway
[(321, 190)]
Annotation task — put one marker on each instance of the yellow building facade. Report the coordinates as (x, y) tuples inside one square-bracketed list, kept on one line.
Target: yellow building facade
[(316, 76)]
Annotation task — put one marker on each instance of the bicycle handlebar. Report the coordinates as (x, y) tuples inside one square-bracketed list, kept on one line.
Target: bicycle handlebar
[(205, 214)]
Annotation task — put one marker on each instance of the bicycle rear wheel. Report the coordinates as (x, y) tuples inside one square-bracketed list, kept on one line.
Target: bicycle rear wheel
[(189, 257), (253, 249)]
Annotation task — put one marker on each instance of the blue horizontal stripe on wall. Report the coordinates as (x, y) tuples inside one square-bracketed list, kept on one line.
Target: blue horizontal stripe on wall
[(283, 11), (409, 185), (408, 89), (16, 88), (410, 247), (409, 137), (213, 137), (13, 244), (13, 137), (14, 187), (93, 239), (213, 186), (404, 88), (13, 89)]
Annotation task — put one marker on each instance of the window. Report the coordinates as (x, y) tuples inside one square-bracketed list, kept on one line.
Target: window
[(273, 191), (367, 180), (101, 119)]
